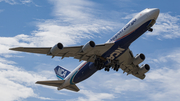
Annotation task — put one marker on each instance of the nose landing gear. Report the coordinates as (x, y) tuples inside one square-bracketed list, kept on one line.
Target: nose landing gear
[(150, 29)]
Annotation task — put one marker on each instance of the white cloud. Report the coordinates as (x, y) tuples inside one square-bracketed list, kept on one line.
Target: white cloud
[(26, 1), (49, 34), (70, 27), (130, 16), (74, 11), (91, 96), (13, 91), (164, 84), (6, 61), (74, 22), (16, 83), (161, 82), (13, 2), (167, 26), (61, 29), (1, 10)]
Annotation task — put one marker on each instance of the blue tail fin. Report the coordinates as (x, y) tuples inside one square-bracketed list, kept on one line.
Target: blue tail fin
[(61, 72)]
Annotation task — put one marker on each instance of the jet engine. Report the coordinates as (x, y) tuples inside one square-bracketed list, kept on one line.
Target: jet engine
[(144, 68), (88, 46), (138, 59), (55, 50)]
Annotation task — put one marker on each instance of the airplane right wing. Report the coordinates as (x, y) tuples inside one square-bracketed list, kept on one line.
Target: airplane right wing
[(130, 64)]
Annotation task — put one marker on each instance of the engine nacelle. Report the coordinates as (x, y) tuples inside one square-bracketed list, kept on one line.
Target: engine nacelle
[(88, 47), (144, 68), (55, 50), (138, 59)]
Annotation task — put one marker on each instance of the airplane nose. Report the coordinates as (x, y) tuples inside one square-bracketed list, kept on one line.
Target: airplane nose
[(154, 12)]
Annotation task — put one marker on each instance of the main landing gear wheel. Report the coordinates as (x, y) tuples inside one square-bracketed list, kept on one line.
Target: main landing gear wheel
[(99, 64), (107, 68), (116, 68)]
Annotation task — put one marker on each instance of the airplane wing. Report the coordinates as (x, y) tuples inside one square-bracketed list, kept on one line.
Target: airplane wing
[(129, 64), (75, 51), (55, 83), (58, 83)]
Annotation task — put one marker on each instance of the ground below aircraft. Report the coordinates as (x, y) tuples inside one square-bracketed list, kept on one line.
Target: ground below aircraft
[(115, 53)]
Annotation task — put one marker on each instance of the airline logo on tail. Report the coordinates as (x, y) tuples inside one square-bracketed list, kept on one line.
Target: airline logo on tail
[(61, 72)]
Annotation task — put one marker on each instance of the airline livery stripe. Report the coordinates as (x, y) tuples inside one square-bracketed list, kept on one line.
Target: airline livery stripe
[(71, 81), (125, 35), (82, 66), (59, 77)]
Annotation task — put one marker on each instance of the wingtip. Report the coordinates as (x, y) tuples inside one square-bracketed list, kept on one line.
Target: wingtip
[(15, 48), (37, 82)]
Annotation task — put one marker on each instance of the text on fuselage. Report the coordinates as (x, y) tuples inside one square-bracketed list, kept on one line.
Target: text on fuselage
[(122, 30), (115, 54)]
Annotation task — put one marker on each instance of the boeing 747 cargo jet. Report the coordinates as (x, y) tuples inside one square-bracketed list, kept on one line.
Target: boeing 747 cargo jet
[(115, 53)]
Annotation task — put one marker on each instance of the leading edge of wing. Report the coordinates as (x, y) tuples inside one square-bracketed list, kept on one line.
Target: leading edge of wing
[(55, 83), (72, 50)]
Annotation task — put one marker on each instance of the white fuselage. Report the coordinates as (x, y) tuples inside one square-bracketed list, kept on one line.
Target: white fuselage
[(135, 23)]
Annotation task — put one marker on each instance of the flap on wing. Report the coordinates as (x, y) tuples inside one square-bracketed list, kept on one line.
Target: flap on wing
[(140, 76), (55, 83)]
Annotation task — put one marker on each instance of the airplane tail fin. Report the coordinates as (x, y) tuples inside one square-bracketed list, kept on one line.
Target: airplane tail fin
[(61, 72)]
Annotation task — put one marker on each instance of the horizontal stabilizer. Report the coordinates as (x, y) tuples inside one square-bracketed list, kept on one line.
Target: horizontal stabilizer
[(55, 83), (58, 83), (73, 88)]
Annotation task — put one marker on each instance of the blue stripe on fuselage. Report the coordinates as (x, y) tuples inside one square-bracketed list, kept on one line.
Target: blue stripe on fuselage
[(60, 77), (88, 69), (125, 42)]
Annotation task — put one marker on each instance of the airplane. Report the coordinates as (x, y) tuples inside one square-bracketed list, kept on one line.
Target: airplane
[(114, 54)]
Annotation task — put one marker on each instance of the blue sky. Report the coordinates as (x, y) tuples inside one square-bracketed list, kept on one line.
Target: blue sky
[(44, 23)]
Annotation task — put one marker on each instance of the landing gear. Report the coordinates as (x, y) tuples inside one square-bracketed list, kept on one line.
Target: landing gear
[(116, 68), (107, 68), (150, 29), (99, 64)]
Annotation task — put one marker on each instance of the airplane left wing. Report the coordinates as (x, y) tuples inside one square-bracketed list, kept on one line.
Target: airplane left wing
[(85, 52), (55, 83)]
